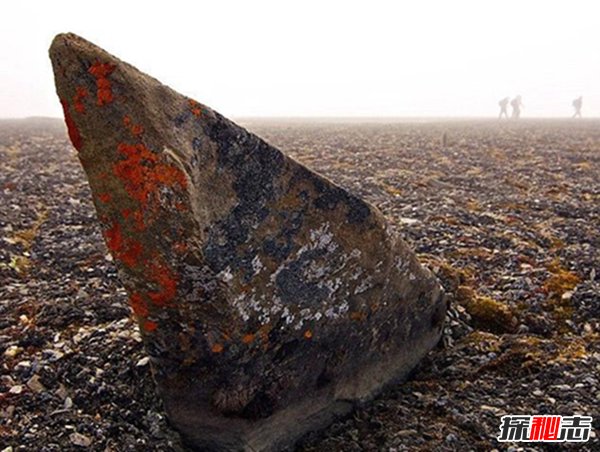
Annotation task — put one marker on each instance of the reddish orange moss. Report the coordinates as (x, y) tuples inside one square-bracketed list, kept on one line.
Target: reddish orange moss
[(101, 71), (166, 281), (130, 252), (217, 348), (139, 305), (126, 213), (149, 325), (80, 94), (72, 129), (142, 173), (141, 310), (138, 218), (142, 302), (104, 197), (135, 129), (131, 255), (195, 107), (114, 238), (126, 250)]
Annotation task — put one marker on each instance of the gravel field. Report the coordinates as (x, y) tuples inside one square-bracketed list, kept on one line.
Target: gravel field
[(506, 213)]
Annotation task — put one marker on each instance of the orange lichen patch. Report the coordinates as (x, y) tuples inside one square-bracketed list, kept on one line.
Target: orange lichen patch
[(149, 325), (80, 94), (248, 338), (308, 334), (217, 348), (195, 107), (72, 129), (131, 255), (101, 71), (139, 305), (137, 216), (142, 173), (114, 238), (126, 250), (166, 281), (104, 197), (143, 303), (135, 129)]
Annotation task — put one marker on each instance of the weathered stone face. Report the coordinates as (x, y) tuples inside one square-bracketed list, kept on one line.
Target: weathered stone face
[(269, 298)]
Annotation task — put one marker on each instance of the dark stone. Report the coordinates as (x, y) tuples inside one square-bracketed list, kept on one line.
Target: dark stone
[(270, 299)]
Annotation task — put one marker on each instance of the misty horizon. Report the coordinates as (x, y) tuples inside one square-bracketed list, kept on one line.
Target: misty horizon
[(428, 60)]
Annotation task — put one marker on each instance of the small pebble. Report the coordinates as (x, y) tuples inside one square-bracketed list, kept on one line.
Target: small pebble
[(12, 351), (80, 440), (142, 362), (35, 384)]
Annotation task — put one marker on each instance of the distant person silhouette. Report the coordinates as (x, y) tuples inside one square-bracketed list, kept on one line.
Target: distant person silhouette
[(516, 105), (503, 107), (577, 103)]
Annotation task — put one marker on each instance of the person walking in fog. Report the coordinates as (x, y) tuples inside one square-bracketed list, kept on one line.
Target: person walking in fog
[(516, 105), (577, 103), (503, 107)]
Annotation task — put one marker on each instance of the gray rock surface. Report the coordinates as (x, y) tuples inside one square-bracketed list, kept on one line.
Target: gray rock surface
[(270, 300)]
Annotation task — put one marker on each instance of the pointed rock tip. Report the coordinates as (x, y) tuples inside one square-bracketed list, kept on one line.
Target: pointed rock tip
[(63, 38), (67, 44), (68, 39)]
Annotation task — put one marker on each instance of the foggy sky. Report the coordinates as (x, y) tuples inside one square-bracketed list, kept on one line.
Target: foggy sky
[(318, 58)]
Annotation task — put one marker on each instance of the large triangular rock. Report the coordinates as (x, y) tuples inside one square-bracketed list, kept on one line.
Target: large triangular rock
[(270, 299)]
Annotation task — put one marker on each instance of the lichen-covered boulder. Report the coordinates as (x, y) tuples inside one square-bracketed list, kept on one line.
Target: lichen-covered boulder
[(270, 300)]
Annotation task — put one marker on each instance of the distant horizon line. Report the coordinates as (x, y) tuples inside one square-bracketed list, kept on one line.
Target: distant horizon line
[(346, 117)]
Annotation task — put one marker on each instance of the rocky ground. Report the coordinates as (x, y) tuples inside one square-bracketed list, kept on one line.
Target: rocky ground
[(507, 214)]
